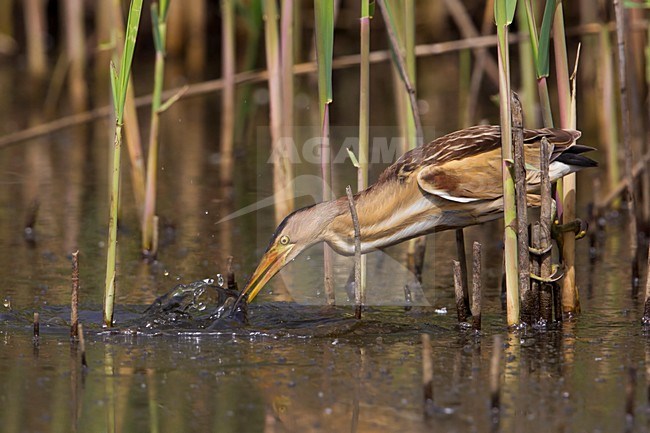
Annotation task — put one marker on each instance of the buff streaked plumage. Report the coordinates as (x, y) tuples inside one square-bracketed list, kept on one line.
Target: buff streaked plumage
[(451, 182)]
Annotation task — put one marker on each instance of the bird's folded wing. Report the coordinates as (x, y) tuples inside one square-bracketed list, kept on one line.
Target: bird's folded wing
[(463, 181)]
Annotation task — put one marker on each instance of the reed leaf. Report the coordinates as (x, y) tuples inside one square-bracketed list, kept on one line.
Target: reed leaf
[(324, 13)]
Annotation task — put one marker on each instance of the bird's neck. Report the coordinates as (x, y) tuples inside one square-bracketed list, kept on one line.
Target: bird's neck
[(388, 213)]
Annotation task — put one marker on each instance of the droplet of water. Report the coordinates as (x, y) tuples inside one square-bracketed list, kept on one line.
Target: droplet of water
[(7, 303)]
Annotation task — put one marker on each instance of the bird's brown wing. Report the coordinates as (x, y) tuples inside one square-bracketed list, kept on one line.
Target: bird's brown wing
[(474, 178), (474, 172)]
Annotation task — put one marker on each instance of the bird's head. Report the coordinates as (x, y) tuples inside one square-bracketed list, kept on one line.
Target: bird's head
[(299, 230)]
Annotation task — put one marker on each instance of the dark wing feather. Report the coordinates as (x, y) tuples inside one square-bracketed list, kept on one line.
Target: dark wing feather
[(470, 142)]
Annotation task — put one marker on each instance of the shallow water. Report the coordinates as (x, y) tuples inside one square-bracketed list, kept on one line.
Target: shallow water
[(298, 366)]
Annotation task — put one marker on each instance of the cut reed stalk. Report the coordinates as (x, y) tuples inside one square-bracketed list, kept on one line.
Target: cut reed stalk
[(359, 294), (119, 85), (627, 141), (462, 259), (461, 309), (504, 13), (477, 286), (324, 21), (74, 302), (228, 43), (159, 24), (528, 296)]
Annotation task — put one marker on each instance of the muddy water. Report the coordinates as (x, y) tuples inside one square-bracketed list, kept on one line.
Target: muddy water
[(297, 366)]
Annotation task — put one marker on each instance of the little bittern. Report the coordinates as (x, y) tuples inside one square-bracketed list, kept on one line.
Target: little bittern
[(453, 182)]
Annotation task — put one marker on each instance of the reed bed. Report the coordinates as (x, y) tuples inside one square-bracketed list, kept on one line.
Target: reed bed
[(284, 33)]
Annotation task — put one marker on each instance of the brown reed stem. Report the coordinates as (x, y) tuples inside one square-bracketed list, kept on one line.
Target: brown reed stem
[(528, 297), (75, 42), (74, 302), (228, 42), (35, 33), (462, 259), (461, 310), (427, 372), (477, 286), (358, 292), (627, 142)]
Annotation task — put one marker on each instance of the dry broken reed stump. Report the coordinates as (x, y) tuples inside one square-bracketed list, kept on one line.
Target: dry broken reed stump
[(74, 301), (477, 286), (427, 372), (461, 309)]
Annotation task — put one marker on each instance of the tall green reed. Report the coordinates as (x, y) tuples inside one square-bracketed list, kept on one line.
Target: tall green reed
[(149, 229), (131, 124), (119, 85), (324, 20), (504, 11)]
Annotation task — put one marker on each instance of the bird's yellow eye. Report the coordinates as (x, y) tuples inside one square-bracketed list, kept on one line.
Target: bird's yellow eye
[(284, 240)]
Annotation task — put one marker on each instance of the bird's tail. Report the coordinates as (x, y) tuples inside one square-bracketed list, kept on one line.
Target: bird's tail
[(573, 156)]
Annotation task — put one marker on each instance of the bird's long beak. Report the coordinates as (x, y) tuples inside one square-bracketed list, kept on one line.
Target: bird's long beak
[(272, 261)]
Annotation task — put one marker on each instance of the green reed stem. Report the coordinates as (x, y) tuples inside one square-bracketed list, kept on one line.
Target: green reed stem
[(504, 14), (119, 85), (567, 185), (159, 22), (364, 123), (324, 20)]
